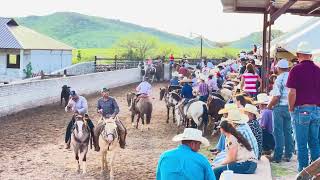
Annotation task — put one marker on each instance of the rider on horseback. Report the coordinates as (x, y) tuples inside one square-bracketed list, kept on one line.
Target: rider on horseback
[(108, 107), (186, 93), (144, 88), (79, 106)]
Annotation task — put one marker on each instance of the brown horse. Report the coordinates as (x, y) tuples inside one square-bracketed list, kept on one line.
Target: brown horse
[(142, 108)]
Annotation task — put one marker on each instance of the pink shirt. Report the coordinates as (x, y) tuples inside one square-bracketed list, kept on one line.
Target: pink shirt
[(250, 82)]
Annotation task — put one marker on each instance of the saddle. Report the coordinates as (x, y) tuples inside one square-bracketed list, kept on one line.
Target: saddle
[(187, 107), (172, 88)]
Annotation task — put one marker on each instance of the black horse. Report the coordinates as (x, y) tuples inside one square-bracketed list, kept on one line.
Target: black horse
[(65, 94)]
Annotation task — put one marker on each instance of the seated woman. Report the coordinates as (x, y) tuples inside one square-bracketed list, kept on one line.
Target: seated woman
[(241, 100), (252, 112), (240, 157)]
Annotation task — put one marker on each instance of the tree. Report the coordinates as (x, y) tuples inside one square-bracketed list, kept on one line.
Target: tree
[(137, 46), (79, 56)]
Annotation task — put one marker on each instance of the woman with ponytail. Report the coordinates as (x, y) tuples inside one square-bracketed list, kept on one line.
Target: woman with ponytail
[(240, 156)]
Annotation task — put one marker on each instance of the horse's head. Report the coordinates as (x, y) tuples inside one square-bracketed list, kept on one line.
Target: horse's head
[(81, 130), (109, 133), (162, 93), (130, 97)]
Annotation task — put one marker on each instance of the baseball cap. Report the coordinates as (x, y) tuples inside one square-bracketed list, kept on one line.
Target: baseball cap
[(283, 63), (73, 93), (105, 89)]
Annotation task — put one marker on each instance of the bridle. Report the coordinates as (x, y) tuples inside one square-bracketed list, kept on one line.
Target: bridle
[(112, 132)]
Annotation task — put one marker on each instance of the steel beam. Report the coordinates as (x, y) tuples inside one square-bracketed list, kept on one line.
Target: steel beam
[(264, 54), (282, 10)]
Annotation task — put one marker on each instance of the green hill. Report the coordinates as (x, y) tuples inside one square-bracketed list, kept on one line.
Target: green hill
[(82, 31), (254, 38)]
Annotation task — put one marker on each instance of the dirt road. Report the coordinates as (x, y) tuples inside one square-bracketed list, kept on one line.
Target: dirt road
[(31, 145)]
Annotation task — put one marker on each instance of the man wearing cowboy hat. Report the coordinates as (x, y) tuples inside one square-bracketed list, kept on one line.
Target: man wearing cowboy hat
[(186, 93), (304, 105), (175, 79), (282, 128), (108, 107), (203, 89), (184, 162), (266, 123)]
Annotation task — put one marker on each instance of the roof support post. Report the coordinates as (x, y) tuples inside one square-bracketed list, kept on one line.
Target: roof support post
[(282, 10), (21, 63), (314, 8), (264, 53)]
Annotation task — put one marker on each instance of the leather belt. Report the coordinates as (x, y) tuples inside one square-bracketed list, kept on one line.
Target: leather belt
[(310, 105)]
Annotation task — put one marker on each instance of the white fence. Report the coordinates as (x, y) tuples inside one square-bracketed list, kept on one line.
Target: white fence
[(20, 96)]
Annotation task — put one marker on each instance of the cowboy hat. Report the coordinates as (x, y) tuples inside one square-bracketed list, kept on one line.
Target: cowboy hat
[(227, 108), (227, 86), (226, 93), (304, 48), (186, 80), (235, 116), (175, 74), (283, 63), (235, 80), (258, 62), (262, 98), (251, 109), (192, 135)]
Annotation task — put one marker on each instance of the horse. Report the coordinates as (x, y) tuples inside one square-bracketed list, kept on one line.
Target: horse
[(215, 104), (150, 73), (65, 93), (197, 112), (310, 172), (171, 99), (143, 107), (109, 143), (80, 140), (159, 71)]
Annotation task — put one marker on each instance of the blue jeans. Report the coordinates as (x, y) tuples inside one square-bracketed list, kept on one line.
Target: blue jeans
[(306, 122), (221, 143), (282, 132), (247, 167), (203, 98)]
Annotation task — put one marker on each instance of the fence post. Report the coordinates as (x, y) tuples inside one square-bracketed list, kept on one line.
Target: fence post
[(115, 62), (95, 63)]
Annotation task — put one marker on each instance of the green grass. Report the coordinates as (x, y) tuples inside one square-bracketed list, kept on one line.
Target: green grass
[(278, 171)]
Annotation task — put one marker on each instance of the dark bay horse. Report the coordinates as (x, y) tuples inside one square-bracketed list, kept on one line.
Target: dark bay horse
[(215, 104), (143, 108)]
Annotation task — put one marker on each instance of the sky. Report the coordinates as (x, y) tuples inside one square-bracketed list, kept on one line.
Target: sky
[(180, 17)]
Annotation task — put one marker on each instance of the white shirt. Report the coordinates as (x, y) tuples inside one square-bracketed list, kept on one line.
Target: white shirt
[(80, 105), (144, 88)]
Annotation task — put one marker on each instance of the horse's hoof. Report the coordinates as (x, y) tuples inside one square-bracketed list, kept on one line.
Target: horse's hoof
[(133, 125)]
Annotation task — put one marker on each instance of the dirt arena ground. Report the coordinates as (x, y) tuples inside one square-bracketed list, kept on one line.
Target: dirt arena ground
[(32, 143)]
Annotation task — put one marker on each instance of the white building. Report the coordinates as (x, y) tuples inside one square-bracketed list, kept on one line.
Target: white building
[(20, 46)]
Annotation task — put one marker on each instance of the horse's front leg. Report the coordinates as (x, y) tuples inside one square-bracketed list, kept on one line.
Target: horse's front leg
[(174, 114), (168, 112), (142, 120), (103, 159), (112, 157), (132, 119), (138, 120), (77, 159), (84, 160)]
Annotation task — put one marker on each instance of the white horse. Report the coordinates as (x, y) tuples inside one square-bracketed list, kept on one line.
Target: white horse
[(109, 143), (197, 111)]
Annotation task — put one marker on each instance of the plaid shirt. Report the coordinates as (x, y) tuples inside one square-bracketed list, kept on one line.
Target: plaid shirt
[(203, 89)]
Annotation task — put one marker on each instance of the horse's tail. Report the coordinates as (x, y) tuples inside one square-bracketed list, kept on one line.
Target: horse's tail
[(205, 115), (148, 114)]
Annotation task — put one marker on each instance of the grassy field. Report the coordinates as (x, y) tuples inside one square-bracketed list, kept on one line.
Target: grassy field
[(88, 54)]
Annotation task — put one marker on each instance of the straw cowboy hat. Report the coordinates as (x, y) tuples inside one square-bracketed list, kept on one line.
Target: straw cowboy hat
[(262, 98), (227, 108), (186, 80), (226, 94), (235, 80), (227, 86), (235, 116), (193, 135), (251, 109), (304, 48)]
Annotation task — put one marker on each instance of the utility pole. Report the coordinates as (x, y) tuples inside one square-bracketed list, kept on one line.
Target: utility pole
[(201, 47)]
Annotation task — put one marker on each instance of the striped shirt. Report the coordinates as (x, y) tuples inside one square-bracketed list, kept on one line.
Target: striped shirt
[(280, 89), (203, 89), (250, 82)]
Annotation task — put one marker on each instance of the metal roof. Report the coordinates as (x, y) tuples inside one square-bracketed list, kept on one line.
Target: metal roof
[(14, 36), (299, 7)]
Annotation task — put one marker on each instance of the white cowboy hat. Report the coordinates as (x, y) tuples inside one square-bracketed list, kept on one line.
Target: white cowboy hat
[(235, 80), (251, 109), (227, 86), (226, 94), (230, 83), (304, 48), (175, 74), (186, 80), (193, 135), (235, 116), (262, 98), (258, 62), (227, 108), (202, 77)]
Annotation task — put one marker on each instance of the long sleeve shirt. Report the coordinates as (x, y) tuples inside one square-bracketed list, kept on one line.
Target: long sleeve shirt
[(80, 105), (186, 91), (109, 106), (144, 88)]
